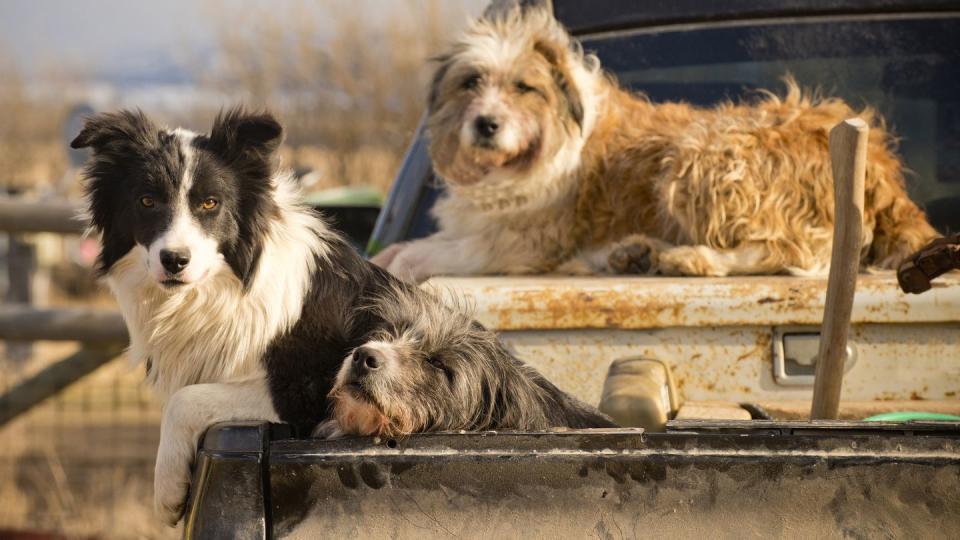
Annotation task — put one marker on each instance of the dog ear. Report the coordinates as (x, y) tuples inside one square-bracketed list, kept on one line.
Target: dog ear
[(438, 76), (237, 134), (247, 143), (557, 55), (103, 130)]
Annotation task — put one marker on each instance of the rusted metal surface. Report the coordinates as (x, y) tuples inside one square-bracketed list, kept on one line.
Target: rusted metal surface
[(564, 303), (895, 362), (718, 334)]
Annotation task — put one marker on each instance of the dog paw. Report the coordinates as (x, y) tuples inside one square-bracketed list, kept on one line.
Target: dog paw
[(329, 429), (385, 257), (689, 261), (411, 263), (635, 256)]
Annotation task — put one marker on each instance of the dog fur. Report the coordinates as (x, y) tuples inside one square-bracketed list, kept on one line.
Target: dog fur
[(442, 371), (583, 176), (240, 300)]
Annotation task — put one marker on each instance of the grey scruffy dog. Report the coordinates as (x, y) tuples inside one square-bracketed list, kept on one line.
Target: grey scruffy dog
[(433, 368)]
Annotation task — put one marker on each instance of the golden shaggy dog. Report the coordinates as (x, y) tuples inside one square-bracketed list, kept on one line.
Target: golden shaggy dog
[(552, 167)]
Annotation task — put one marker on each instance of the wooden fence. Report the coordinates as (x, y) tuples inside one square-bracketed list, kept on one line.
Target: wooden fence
[(102, 333)]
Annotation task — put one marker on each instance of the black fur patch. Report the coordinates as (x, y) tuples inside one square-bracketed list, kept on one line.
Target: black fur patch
[(244, 144), (303, 364), (131, 156), (438, 76)]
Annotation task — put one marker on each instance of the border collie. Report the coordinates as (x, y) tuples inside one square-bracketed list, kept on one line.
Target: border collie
[(241, 302)]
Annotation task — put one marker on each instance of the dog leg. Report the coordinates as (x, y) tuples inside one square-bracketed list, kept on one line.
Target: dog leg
[(748, 258), (329, 429), (901, 230), (187, 414), (418, 260), (385, 257)]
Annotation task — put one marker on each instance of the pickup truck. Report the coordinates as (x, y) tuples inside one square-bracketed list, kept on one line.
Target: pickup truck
[(744, 343)]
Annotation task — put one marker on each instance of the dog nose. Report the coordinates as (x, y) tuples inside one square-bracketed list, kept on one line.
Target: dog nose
[(174, 260), (486, 126), (365, 360)]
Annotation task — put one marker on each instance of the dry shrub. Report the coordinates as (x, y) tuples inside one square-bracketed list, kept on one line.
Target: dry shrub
[(31, 155), (347, 77)]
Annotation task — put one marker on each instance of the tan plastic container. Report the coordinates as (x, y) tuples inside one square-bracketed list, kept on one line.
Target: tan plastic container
[(639, 392)]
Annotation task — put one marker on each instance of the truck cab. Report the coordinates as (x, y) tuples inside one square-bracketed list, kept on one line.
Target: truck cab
[(746, 339)]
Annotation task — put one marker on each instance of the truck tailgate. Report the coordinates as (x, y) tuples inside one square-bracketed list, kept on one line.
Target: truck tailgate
[(699, 479)]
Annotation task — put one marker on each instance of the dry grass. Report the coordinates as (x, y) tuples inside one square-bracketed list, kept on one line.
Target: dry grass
[(347, 77), (81, 464), (351, 87), (30, 152)]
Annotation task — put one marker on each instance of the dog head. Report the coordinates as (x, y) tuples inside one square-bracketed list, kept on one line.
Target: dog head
[(432, 368), (187, 202), (513, 94)]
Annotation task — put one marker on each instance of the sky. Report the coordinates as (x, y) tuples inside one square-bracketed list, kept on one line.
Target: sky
[(100, 35), (117, 39)]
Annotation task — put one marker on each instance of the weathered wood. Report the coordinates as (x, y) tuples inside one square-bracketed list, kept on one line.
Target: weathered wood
[(848, 157), (53, 379), (20, 216), (21, 264), (23, 323)]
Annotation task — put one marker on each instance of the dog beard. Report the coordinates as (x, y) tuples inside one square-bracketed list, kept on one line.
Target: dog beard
[(468, 164), (359, 415)]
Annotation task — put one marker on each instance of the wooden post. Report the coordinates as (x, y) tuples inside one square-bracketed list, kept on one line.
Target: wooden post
[(24, 216), (53, 379), (848, 157), (21, 265), (88, 325)]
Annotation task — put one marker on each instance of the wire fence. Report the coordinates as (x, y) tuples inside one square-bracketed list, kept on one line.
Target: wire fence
[(81, 463)]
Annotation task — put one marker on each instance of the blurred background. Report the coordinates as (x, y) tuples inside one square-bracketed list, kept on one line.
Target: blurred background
[(348, 81)]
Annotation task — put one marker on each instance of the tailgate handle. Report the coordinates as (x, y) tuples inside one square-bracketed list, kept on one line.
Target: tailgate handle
[(795, 356)]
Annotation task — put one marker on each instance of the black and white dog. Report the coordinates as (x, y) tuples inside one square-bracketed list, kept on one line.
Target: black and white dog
[(244, 305)]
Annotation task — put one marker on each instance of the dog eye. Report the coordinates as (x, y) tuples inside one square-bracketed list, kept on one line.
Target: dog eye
[(209, 203), (437, 363), (147, 202), (524, 87), (471, 82)]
